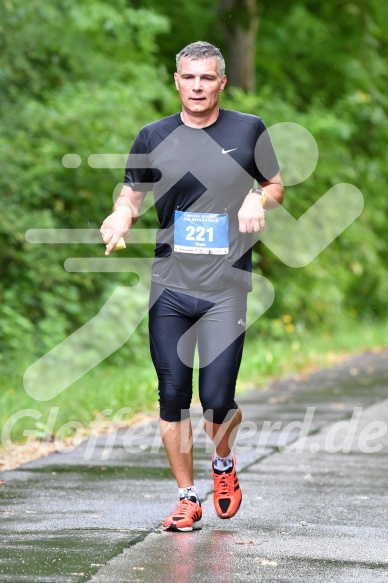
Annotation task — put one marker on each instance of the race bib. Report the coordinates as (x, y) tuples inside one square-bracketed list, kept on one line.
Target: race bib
[(201, 233)]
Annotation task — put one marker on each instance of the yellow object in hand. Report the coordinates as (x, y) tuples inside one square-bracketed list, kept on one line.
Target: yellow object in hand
[(120, 244)]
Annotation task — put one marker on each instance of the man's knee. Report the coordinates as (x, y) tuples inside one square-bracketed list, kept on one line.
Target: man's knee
[(174, 401), (173, 412), (220, 415)]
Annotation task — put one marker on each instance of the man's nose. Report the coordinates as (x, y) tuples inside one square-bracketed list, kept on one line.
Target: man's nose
[(197, 84)]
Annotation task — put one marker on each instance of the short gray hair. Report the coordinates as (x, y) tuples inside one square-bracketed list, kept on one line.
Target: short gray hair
[(201, 50)]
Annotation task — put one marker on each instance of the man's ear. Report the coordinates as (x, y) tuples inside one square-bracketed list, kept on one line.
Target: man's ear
[(176, 81)]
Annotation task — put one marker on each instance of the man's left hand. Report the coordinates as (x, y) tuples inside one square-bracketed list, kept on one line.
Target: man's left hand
[(251, 214)]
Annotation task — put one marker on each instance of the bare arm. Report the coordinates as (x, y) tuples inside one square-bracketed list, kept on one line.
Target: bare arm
[(125, 213), (251, 214)]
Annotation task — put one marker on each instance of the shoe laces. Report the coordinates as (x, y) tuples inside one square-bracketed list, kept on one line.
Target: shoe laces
[(224, 483), (185, 507)]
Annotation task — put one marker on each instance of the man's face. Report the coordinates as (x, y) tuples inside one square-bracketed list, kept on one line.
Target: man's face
[(199, 85)]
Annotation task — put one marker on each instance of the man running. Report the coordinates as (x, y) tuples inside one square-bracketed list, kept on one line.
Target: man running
[(201, 164)]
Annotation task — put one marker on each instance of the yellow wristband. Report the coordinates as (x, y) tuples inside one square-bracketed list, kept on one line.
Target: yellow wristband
[(260, 192)]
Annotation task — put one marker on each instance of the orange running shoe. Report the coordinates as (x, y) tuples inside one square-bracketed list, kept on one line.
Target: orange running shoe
[(227, 494), (187, 517)]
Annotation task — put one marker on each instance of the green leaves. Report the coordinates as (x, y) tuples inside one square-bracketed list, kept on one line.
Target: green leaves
[(78, 78)]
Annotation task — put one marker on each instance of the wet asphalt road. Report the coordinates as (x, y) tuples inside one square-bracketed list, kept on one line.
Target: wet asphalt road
[(312, 459)]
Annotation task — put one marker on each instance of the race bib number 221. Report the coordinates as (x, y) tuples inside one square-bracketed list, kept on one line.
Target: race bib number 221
[(201, 233)]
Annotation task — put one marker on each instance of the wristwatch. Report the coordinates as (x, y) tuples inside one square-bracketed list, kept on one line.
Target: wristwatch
[(261, 192)]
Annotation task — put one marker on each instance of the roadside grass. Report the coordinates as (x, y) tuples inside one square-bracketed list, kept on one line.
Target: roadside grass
[(113, 395), (304, 351)]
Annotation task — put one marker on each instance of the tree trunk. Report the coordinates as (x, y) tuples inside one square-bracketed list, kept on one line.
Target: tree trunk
[(239, 22)]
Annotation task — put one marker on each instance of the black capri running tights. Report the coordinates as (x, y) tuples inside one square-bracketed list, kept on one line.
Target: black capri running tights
[(215, 322)]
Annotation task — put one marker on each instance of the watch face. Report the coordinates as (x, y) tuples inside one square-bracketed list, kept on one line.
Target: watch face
[(261, 192)]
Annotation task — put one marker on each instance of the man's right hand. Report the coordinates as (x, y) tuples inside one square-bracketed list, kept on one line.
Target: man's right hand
[(116, 225)]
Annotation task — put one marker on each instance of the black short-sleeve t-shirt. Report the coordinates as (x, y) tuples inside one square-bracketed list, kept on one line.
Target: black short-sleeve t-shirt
[(207, 170)]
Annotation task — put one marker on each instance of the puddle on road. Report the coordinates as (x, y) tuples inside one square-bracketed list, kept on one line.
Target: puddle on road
[(60, 557)]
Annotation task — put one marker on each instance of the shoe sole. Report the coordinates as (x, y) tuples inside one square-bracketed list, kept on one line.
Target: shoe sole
[(174, 528)]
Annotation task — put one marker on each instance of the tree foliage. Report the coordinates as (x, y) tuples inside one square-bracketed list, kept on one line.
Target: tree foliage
[(78, 77), (82, 76)]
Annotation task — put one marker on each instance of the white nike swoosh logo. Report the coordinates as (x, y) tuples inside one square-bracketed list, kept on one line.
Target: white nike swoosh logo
[(226, 151)]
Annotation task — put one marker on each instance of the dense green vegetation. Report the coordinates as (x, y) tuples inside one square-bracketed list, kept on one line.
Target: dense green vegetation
[(82, 77)]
